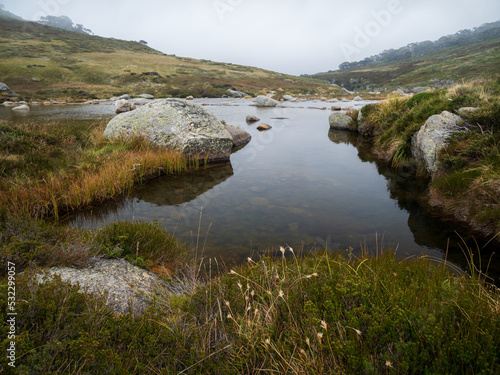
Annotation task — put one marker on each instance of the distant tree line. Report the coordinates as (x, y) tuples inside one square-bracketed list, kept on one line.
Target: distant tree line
[(64, 22), (482, 33)]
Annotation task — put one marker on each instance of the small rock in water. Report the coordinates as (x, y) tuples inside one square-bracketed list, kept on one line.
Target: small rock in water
[(23, 107), (358, 99), (190, 97), (252, 118), (264, 127)]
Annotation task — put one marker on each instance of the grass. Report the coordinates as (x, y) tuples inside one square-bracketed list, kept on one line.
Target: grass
[(48, 169), (325, 313), (467, 183), (75, 66)]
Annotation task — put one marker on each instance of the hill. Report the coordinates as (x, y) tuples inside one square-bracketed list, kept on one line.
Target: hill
[(468, 54), (41, 61)]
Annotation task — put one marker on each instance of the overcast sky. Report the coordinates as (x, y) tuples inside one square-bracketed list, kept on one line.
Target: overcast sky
[(288, 36)]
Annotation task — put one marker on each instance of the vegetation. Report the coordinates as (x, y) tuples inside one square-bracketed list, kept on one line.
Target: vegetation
[(468, 180), (326, 313), (42, 62), (469, 53), (49, 168)]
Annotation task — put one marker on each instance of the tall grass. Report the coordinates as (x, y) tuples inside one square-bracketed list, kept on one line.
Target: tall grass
[(48, 169)]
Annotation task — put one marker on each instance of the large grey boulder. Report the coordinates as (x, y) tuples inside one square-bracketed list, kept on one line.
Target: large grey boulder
[(127, 288), (5, 90), (341, 121), (240, 137), (433, 137), (176, 124), (264, 101)]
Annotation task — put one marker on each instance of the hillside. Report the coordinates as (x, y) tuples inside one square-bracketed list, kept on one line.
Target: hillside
[(40, 61), (468, 54)]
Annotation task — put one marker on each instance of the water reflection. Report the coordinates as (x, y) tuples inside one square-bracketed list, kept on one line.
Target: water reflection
[(429, 228)]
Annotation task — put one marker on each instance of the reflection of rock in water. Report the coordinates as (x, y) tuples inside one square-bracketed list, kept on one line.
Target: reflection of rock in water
[(183, 188), (343, 136), (430, 229)]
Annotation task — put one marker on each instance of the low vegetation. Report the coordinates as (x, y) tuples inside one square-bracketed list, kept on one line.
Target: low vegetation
[(474, 54), (326, 313), (41, 62)]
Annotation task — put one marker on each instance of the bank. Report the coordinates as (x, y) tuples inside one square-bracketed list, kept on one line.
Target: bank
[(450, 136)]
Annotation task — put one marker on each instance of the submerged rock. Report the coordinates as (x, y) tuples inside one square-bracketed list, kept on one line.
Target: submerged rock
[(176, 124), (240, 137), (341, 121), (264, 101), (433, 137)]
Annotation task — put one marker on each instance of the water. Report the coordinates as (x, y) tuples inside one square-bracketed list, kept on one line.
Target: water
[(298, 184)]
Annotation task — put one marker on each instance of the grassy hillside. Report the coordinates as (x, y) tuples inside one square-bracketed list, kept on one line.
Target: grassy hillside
[(40, 61), (464, 61)]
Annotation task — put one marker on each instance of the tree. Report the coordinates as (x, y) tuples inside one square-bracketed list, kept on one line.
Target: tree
[(64, 22)]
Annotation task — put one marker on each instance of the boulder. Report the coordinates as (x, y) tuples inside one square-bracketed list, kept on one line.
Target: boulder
[(240, 137), (290, 98), (341, 121), (127, 288), (5, 90), (252, 118), (418, 90), (146, 96), (464, 111), (433, 137), (237, 94), (399, 91), (358, 99), (264, 101), (176, 124), (23, 107), (263, 126), (336, 108), (8, 104), (190, 97), (124, 105), (125, 96)]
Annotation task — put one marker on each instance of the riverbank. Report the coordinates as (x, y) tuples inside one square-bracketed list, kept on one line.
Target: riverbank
[(325, 312), (465, 180), (288, 314)]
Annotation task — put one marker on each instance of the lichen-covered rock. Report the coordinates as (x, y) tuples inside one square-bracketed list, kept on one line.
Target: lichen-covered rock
[(176, 124), (6, 90), (240, 137), (237, 94), (433, 137), (128, 289), (341, 121), (146, 96), (264, 101), (464, 111), (124, 105)]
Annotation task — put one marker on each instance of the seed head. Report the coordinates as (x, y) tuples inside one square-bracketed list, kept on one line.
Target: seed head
[(323, 325)]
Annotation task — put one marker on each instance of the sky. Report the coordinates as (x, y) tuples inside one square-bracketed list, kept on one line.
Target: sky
[(288, 36)]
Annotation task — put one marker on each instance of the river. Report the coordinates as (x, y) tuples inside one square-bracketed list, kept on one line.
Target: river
[(299, 184)]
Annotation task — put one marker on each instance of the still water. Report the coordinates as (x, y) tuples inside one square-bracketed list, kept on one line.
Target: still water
[(298, 184)]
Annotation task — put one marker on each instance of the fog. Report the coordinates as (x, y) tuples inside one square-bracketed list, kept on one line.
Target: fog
[(292, 36)]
